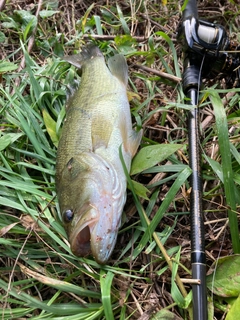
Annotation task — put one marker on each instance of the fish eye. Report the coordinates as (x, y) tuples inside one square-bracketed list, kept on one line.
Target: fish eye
[(68, 215)]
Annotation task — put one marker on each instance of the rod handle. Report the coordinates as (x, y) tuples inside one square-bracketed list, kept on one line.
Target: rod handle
[(190, 10)]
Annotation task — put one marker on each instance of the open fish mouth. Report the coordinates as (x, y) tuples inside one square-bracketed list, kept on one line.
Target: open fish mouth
[(80, 245), (80, 239), (95, 236)]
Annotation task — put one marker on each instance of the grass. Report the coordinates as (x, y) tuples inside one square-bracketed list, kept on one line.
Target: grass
[(147, 274)]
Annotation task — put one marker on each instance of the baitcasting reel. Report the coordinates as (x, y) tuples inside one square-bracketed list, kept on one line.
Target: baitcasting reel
[(204, 39)]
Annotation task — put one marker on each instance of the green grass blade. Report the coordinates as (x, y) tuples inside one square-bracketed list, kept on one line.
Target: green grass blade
[(106, 282), (61, 285), (33, 302), (171, 45), (98, 25), (175, 292), (162, 209), (225, 150), (16, 313), (122, 20)]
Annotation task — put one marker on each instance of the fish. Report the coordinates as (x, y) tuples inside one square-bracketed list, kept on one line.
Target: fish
[(90, 180)]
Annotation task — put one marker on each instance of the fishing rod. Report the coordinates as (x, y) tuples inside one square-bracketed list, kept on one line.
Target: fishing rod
[(191, 85), (205, 49)]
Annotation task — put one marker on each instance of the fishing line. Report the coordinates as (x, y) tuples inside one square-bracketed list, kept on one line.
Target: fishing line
[(217, 260), (224, 235), (199, 77)]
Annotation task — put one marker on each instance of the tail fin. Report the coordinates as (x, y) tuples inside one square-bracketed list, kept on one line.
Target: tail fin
[(119, 68), (88, 52)]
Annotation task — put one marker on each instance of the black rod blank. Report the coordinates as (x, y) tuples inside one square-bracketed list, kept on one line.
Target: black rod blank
[(187, 36), (191, 85), (198, 258)]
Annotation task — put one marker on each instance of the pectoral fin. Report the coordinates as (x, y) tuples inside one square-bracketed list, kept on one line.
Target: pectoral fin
[(101, 131)]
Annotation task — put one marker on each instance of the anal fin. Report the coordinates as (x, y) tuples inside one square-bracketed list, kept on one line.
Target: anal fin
[(131, 138), (134, 141)]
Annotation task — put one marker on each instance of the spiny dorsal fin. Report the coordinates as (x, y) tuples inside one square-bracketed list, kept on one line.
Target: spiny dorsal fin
[(119, 68)]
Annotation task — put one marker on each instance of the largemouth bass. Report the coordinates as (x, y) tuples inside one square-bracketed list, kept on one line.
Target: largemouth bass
[(90, 181)]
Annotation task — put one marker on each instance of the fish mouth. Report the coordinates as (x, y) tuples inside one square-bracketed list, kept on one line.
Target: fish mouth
[(80, 245), (92, 236), (80, 239)]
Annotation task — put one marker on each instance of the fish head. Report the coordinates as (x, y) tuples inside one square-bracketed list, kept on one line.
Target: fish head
[(91, 204)]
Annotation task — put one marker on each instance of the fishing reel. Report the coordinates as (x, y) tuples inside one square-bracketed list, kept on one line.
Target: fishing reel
[(207, 45)]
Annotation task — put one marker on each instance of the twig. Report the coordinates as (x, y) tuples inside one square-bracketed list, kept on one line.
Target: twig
[(111, 37), (167, 258), (137, 303), (154, 23), (158, 73), (191, 281)]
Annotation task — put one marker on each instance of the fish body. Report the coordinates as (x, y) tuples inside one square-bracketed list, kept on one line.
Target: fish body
[(90, 181)]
